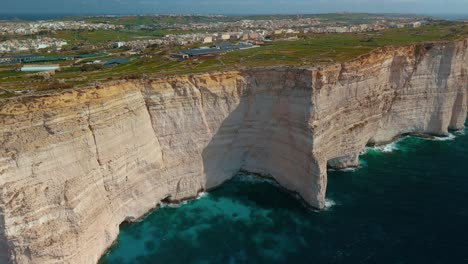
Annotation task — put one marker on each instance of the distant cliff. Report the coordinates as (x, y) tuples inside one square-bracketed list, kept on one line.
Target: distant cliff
[(75, 165)]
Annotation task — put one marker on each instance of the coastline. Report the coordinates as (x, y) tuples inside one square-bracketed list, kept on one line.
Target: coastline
[(141, 142), (342, 207), (270, 180)]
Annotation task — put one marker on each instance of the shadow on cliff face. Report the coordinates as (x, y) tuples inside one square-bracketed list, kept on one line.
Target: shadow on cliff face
[(4, 249), (267, 133)]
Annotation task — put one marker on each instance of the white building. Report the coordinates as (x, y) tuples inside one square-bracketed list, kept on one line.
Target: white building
[(39, 68), (208, 39), (42, 46), (118, 44)]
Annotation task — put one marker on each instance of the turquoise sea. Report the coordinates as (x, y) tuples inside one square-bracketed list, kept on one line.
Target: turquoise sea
[(408, 203)]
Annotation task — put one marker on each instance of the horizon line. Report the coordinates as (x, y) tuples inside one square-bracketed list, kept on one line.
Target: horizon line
[(225, 14)]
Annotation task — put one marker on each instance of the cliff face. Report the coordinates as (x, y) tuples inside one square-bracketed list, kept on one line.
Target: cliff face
[(73, 166)]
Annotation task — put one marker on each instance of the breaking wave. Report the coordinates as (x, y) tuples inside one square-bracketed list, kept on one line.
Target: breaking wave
[(460, 132), (350, 169), (329, 203), (201, 195), (447, 138), (388, 148), (171, 205)]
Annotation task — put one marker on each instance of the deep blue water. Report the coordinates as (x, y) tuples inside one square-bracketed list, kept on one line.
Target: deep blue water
[(407, 204), (34, 17), (450, 16)]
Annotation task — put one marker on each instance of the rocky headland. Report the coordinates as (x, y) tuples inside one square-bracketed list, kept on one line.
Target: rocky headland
[(75, 165)]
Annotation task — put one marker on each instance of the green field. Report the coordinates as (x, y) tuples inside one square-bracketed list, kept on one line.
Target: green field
[(312, 49), (131, 21)]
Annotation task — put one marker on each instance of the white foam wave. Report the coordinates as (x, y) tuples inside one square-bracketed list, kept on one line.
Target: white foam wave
[(447, 138), (349, 169), (388, 148), (329, 203), (345, 169), (170, 205), (176, 205), (201, 195)]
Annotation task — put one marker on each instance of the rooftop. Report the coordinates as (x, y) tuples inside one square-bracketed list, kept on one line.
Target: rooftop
[(116, 61), (218, 48)]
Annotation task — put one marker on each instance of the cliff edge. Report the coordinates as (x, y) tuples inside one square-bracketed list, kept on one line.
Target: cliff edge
[(75, 165)]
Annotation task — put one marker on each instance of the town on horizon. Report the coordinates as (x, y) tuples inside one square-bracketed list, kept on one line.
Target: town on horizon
[(10, 15), (50, 53)]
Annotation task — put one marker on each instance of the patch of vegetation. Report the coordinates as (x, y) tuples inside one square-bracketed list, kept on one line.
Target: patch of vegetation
[(310, 49), (54, 85), (132, 21), (91, 67), (102, 37)]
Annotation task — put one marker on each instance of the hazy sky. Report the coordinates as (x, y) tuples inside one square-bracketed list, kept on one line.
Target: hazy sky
[(233, 6)]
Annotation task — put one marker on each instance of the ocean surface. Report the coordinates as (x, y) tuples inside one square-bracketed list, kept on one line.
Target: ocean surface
[(408, 203), (51, 16), (34, 17)]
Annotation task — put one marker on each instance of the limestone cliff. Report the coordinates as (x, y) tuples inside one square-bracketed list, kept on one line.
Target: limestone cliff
[(75, 165)]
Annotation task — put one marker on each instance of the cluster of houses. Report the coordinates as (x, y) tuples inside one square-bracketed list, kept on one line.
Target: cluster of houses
[(19, 45), (29, 28), (258, 36), (252, 36), (270, 24), (247, 33), (318, 25)]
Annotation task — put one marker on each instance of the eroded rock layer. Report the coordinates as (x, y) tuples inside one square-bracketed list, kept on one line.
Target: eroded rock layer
[(73, 166)]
